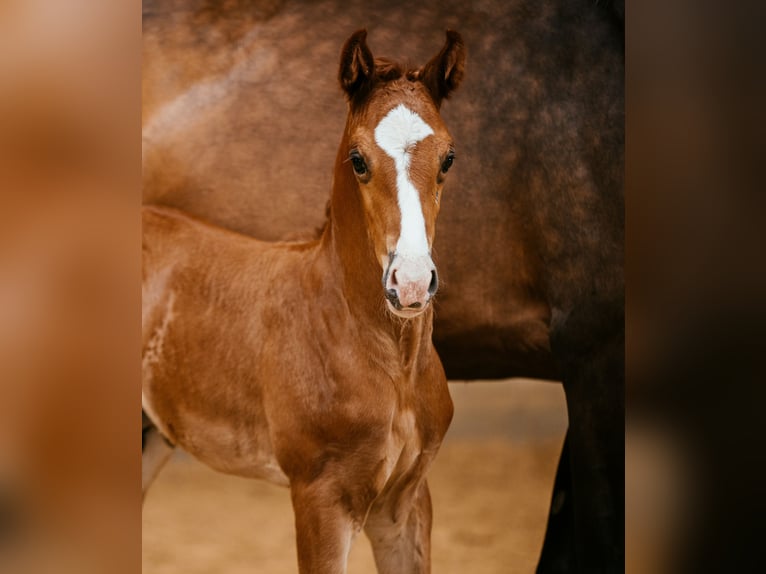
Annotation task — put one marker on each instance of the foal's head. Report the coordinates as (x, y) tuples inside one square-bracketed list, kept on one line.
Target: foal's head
[(400, 152)]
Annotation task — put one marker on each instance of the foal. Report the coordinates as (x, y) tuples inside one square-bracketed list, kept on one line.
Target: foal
[(291, 361)]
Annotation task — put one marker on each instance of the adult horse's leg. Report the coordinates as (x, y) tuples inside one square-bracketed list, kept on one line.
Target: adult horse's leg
[(155, 452), (401, 537), (324, 527), (557, 555), (594, 379)]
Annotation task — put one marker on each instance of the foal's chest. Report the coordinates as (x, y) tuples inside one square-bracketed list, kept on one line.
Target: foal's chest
[(418, 427), (405, 443)]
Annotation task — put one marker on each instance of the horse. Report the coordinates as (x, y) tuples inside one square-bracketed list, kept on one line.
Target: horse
[(236, 102), (310, 364)]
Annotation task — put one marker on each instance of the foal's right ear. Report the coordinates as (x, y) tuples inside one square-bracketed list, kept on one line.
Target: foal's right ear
[(357, 66)]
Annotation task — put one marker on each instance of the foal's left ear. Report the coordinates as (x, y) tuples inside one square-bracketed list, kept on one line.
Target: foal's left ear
[(357, 66), (444, 72)]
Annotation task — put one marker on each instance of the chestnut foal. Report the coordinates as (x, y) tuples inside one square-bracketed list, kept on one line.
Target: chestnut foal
[(291, 361)]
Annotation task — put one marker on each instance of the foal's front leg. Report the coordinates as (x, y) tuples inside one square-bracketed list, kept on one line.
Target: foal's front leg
[(324, 528), (399, 528)]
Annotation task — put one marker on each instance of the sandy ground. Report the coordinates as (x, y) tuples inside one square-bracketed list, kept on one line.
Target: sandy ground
[(490, 486)]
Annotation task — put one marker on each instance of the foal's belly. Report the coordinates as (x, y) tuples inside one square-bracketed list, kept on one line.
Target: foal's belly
[(230, 444), (234, 451), (199, 398)]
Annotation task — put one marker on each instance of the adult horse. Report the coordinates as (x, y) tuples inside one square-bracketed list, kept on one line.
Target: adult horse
[(237, 102)]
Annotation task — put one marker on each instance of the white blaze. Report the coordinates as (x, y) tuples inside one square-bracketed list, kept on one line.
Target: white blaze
[(397, 134)]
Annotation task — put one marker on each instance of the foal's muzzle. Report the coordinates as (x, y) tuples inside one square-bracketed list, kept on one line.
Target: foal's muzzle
[(410, 282)]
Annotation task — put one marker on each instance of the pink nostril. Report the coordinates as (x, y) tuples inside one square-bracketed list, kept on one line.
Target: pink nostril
[(393, 278)]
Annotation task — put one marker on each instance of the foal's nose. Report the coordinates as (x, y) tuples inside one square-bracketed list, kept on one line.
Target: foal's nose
[(411, 282)]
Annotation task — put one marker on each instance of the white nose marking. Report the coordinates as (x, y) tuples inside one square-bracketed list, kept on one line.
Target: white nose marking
[(397, 134)]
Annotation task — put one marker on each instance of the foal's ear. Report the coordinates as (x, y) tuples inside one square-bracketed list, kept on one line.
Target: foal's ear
[(445, 70), (357, 66)]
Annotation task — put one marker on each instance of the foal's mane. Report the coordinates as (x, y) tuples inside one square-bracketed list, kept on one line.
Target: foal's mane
[(389, 70)]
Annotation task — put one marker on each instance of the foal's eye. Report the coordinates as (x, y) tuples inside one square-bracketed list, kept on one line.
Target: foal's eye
[(448, 162), (358, 162)]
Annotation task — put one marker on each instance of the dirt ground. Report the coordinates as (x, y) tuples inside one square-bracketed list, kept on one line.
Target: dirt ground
[(490, 486)]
